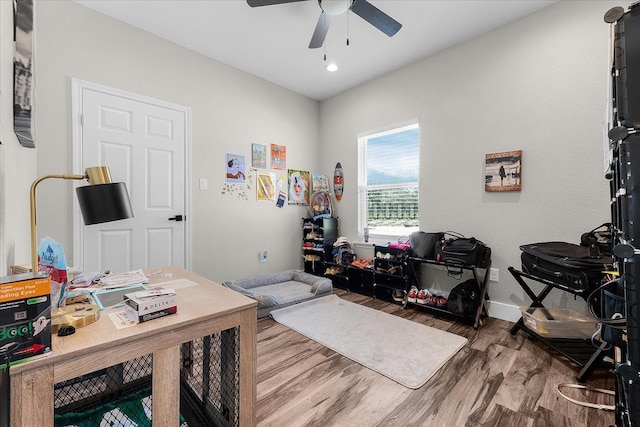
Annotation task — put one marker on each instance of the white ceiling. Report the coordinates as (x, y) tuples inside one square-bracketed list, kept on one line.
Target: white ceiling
[(272, 41)]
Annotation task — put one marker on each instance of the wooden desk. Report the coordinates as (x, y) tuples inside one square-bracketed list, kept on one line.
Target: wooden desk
[(202, 310)]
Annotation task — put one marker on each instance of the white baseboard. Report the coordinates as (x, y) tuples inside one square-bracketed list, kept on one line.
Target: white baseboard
[(508, 312)]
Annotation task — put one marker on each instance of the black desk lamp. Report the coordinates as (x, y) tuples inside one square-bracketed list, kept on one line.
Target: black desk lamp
[(100, 201)]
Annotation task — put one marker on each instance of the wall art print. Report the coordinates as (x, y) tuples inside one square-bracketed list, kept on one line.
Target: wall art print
[(259, 156), (503, 171), (278, 156), (236, 171), (266, 188), (23, 73), (299, 186), (319, 182)]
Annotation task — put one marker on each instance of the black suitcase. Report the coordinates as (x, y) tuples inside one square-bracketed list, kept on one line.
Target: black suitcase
[(571, 265)]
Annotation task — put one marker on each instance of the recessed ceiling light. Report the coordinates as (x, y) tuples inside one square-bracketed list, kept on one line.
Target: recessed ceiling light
[(332, 67)]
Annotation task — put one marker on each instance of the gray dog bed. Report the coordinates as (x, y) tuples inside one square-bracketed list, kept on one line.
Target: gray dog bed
[(278, 290)]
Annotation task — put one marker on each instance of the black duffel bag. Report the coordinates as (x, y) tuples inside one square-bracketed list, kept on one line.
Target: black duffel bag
[(460, 251), (423, 244)]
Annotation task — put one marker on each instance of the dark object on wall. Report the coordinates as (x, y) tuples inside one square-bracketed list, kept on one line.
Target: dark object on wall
[(462, 251), (23, 92), (565, 263), (464, 298), (423, 244)]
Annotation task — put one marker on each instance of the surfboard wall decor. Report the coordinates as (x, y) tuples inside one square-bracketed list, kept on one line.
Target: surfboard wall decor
[(338, 181)]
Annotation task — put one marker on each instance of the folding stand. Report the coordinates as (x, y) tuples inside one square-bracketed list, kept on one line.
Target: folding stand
[(579, 351)]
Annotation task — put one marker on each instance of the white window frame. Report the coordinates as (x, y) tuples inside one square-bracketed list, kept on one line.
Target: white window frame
[(363, 187)]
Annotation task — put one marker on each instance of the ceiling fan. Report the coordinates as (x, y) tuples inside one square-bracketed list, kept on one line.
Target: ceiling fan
[(331, 8)]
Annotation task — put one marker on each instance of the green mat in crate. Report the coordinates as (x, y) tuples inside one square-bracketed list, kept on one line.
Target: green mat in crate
[(133, 410)]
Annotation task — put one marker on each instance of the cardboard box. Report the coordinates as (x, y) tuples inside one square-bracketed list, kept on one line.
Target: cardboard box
[(25, 318), (151, 304)]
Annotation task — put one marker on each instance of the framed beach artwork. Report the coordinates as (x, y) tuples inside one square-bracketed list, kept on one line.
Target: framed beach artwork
[(23, 90), (503, 171)]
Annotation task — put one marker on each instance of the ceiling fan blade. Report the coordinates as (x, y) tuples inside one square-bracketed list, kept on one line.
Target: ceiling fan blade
[(376, 17), (320, 33), (256, 3)]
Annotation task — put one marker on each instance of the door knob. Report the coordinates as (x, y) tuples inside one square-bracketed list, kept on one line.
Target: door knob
[(177, 218)]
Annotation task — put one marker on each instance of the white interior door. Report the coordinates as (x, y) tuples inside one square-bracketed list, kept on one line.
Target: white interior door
[(144, 144)]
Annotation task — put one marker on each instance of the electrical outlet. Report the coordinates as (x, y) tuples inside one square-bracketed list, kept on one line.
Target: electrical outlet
[(494, 274), (203, 183), (263, 256)]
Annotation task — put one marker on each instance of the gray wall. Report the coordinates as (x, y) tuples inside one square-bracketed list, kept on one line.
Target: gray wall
[(537, 85), (230, 110)]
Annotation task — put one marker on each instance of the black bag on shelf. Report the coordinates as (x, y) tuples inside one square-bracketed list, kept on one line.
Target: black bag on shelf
[(464, 298), (461, 251), (599, 239), (568, 264), (423, 244)]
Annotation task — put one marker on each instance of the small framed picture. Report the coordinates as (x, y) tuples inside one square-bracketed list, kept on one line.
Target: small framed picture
[(503, 171), (319, 182), (236, 171), (259, 156), (278, 156)]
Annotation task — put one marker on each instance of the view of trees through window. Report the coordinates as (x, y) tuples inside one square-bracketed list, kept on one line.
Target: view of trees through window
[(389, 175)]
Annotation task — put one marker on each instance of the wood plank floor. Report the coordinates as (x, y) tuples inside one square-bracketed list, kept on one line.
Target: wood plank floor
[(496, 380)]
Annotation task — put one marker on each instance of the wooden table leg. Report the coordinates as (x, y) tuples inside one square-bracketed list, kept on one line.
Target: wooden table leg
[(32, 398), (166, 386), (248, 359)]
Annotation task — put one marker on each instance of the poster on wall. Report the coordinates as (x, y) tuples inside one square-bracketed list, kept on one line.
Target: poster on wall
[(503, 171), (319, 182), (236, 169), (298, 187), (278, 156), (266, 189), (23, 73), (259, 156)]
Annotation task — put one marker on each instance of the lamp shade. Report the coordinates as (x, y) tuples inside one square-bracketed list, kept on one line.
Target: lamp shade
[(104, 202)]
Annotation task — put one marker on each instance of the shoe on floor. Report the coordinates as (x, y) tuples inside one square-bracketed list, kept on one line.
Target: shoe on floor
[(397, 295), (423, 296), (433, 301), (441, 302), (413, 294)]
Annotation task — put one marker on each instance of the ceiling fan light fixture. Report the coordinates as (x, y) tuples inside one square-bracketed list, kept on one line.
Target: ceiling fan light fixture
[(332, 67), (335, 7)]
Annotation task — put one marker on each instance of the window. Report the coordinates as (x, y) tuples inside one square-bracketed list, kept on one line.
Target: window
[(388, 177)]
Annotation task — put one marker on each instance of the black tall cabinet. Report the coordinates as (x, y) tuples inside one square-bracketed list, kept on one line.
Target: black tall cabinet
[(624, 175), (318, 237)]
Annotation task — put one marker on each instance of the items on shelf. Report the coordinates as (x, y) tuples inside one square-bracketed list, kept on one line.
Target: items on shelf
[(318, 237)]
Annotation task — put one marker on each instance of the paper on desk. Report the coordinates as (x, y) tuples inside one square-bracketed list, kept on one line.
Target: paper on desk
[(124, 279), (121, 321)]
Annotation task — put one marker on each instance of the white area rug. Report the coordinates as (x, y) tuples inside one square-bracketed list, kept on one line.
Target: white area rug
[(405, 351)]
